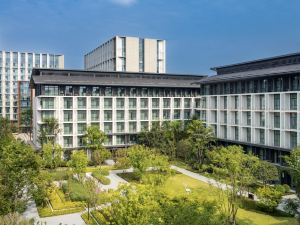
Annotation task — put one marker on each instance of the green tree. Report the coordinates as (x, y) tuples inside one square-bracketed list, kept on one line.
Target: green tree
[(100, 155), (52, 155), (200, 139), (19, 168), (94, 138), (293, 160), (78, 163), (138, 156), (266, 172), (92, 193), (48, 131), (237, 169)]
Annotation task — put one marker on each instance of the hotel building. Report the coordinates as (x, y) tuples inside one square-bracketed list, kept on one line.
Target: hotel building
[(131, 54), (15, 73)]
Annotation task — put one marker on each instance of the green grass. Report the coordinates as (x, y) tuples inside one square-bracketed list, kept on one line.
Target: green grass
[(76, 191), (175, 186), (59, 174)]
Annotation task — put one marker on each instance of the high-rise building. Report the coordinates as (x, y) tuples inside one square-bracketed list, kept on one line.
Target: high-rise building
[(15, 73), (131, 54)]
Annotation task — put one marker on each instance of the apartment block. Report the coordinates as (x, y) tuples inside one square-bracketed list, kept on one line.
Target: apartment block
[(15, 74), (131, 54)]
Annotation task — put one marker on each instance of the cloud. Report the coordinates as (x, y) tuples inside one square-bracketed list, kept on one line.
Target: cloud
[(124, 2)]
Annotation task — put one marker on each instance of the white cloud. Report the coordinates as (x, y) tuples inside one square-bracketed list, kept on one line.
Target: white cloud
[(124, 2)]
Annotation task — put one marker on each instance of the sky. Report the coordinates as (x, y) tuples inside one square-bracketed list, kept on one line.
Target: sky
[(200, 34)]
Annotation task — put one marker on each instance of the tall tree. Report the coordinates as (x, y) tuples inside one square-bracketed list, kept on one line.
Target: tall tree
[(52, 155), (100, 155), (78, 163), (92, 190), (266, 172), (48, 131), (293, 160), (139, 158), (237, 169), (94, 138), (200, 138)]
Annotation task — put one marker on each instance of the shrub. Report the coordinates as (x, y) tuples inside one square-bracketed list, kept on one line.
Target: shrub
[(286, 187), (99, 217), (58, 201), (101, 178), (77, 191), (269, 198), (84, 216), (122, 163), (280, 188), (291, 206)]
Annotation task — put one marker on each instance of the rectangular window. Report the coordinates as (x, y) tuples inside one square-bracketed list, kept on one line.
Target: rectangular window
[(44, 61), (47, 115), (248, 118), (187, 114), (95, 115), (293, 140), (95, 103), (81, 115), (248, 131), (120, 139), (120, 115), (132, 103), (293, 101), (236, 133), (293, 121), (276, 138), (248, 101), (277, 120), (81, 103), (144, 103), (95, 91), (68, 90), (107, 128), (121, 91), (166, 103), (144, 114), (37, 60), (132, 115), (120, 127), (82, 90), (68, 103), (107, 103), (277, 102), (262, 136), (81, 128), (15, 59), (107, 115), (68, 116), (47, 103), (144, 125), (155, 102), (68, 142), (187, 103), (225, 102), (30, 60), (51, 90), (166, 114), (155, 114), (108, 91), (262, 119), (236, 102), (176, 114), (68, 128), (120, 103), (261, 102), (236, 118), (132, 127)]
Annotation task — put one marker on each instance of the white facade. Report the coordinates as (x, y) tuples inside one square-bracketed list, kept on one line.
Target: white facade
[(131, 54), (16, 67)]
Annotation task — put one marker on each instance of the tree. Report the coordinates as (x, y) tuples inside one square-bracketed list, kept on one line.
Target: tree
[(48, 131), (293, 160), (78, 163), (200, 139), (19, 168), (266, 172), (139, 158), (237, 169), (15, 219), (92, 190), (52, 155), (94, 138), (100, 155)]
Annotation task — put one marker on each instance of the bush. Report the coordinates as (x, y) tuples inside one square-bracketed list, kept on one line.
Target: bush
[(280, 188), (122, 163), (77, 191), (101, 178), (269, 198), (99, 217), (58, 202), (286, 187), (84, 216)]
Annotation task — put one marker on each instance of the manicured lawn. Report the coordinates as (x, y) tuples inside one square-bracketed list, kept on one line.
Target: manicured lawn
[(175, 186)]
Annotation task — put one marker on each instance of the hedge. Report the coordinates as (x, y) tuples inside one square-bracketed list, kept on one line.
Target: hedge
[(46, 212)]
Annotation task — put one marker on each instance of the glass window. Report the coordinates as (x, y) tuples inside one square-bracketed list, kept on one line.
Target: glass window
[(277, 102), (276, 120), (293, 140), (94, 115), (108, 91), (248, 101), (276, 138), (293, 101), (47, 103), (37, 60), (120, 114), (81, 115), (225, 102), (132, 126), (248, 131), (68, 90), (262, 136), (95, 91), (81, 128), (187, 114), (261, 102), (15, 59), (132, 103), (82, 90), (81, 103), (262, 119), (120, 139), (107, 115), (68, 128), (95, 103), (144, 92), (107, 103), (107, 128), (166, 114), (121, 91), (68, 103), (176, 114), (47, 115), (166, 102), (293, 121), (132, 115), (187, 103), (155, 114), (236, 133), (132, 92), (155, 102), (68, 116), (44, 60), (248, 118), (120, 127), (236, 102), (177, 103), (144, 125), (51, 90), (80, 141), (144, 114), (120, 103), (30, 60), (68, 142), (144, 103), (22, 59)]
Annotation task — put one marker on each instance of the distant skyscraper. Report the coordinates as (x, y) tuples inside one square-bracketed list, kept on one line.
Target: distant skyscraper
[(131, 54), (15, 73)]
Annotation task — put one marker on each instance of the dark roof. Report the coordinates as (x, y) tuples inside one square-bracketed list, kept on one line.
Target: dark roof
[(83, 77), (262, 73), (257, 61)]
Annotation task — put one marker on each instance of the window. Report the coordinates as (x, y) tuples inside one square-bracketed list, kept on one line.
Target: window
[(176, 114), (95, 91), (144, 92), (132, 92), (236, 118), (262, 136), (80, 141), (95, 103), (187, 114), (68, 142), (166, 114), (225, 102), (44, 60), (144, 114), (82, 90), (277, 102), (120, 139), (22, 59), (132, 115), (248, 101), (37, 60), (155, 114), (68, 103), (277, 120), (276, 138), (132, 103), (120, 115), (155, 102), (94, 115), (47, 103), (293, 121), (248, 131), (81, 103), (81, 128), (30, 60), (107, 128), (81, 115), (120, 127), (166, 103), (107, 115), (108, 91), (120, 103), (262, 119), (261, 102), (15, 59), (68, 90), (51, 90), (293, 101), (225, 117), (144, 103), (248, 118), (47, 115), (132, 126), (187, 103), (107, 103), (68, 116), (121, 91), (68, 128), (236, 133), (144, 125), (236, 102), (293, 139)]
